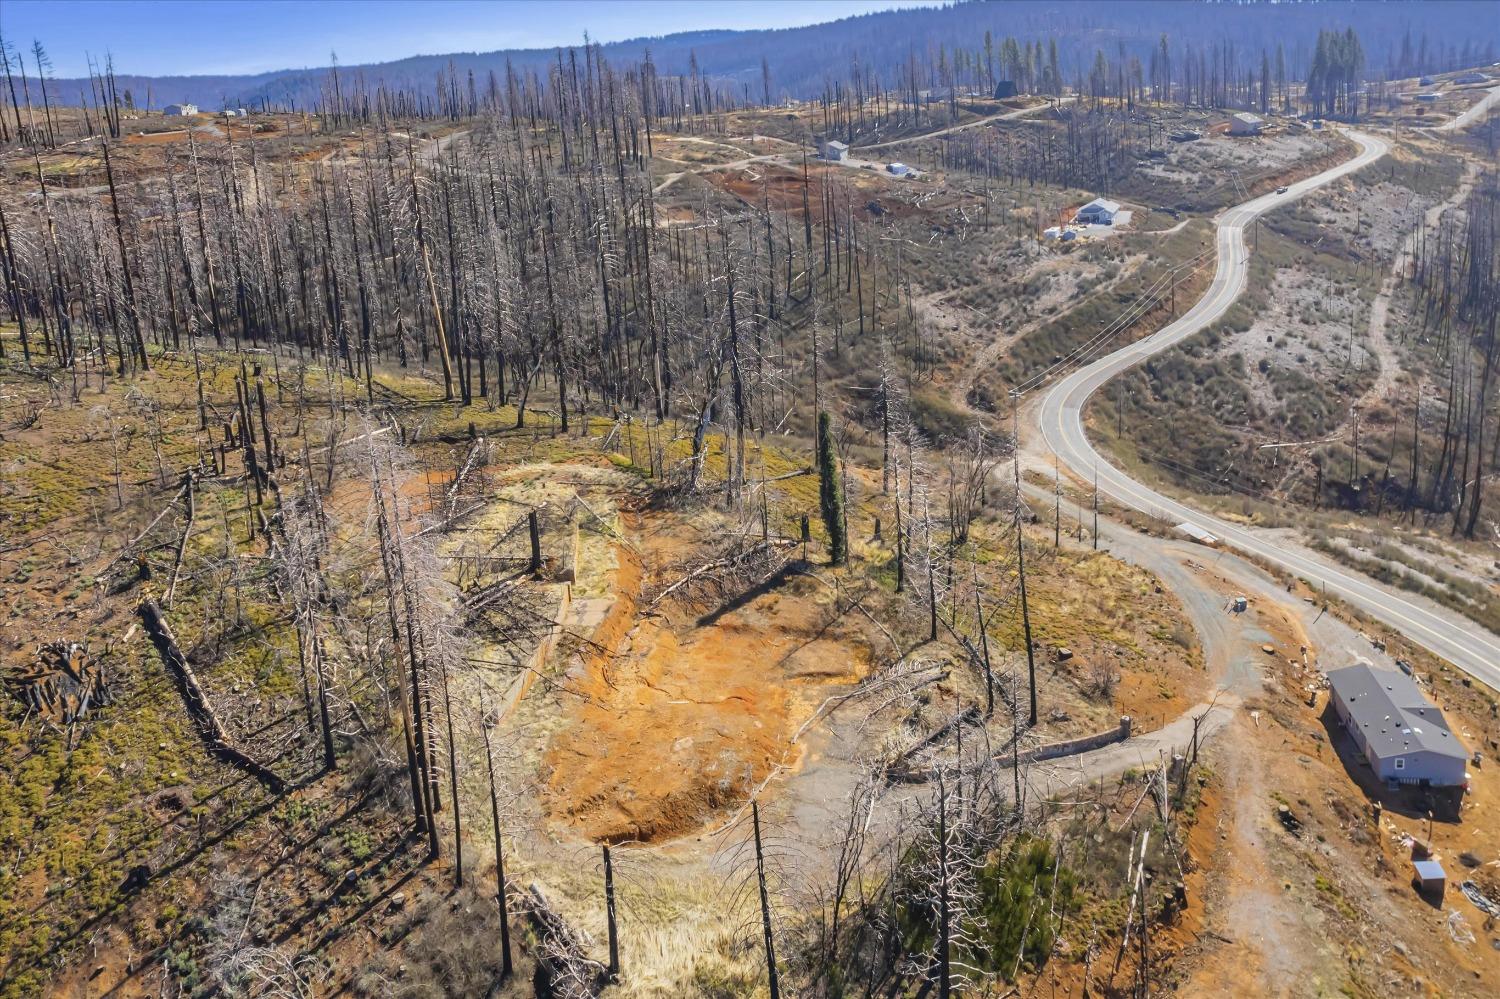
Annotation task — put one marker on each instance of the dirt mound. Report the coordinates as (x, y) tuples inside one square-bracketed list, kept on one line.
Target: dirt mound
[(682, 724)]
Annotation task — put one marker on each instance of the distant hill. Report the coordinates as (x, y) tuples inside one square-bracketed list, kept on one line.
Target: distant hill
[(1398, 37)]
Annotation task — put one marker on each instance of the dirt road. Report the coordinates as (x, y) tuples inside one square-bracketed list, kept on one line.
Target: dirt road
[(1003, 116), (1060, 415)]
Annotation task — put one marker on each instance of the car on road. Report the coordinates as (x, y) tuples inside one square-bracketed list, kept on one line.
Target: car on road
[(1281, 190)]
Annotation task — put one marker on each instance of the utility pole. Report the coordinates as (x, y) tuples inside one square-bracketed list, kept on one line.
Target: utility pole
[(1350, 362), (1056, 504), (1096, 508), (1354, 474)]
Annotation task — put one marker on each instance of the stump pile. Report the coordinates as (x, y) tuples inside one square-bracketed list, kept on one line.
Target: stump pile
[(61, 684)]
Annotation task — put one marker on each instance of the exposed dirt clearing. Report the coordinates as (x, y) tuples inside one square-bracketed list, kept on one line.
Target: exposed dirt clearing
[(684, 720)]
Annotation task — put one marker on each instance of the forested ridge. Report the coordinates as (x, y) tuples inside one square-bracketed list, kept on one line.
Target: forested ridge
[(1400, 39)]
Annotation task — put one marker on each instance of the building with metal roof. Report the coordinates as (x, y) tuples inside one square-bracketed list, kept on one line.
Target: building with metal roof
[(1404, 736)]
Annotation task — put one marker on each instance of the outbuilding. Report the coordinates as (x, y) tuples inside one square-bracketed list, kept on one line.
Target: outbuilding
[(1404, 736), (1100, 211), (1473, 76), (898, 169), (1429, 878), (1245, 123), (835, 150), (178, 110), (1005, 89), (1193, 532)]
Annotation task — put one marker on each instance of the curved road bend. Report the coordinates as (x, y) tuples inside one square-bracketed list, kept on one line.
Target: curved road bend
[(1060, 413), (1474, 112)]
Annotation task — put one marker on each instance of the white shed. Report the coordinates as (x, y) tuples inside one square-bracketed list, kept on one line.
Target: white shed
[(180, 109), (1245, 123), (835, 150), (1195, 533)]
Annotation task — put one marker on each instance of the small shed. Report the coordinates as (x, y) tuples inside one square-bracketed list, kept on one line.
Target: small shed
[(1428, 878), (898, 169), (1100, 211), (1245, 123), (835, 150), (1428, 98), (1425, 81), (1195, 533), (178, 110), (1473, 76), (1004, 89)]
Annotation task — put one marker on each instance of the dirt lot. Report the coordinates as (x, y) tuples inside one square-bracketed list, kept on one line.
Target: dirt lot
[(683, 721)]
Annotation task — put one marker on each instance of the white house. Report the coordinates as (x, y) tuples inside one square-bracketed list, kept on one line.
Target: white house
[(835, 150), (180, 109), (1100, 211), (1245, 123)]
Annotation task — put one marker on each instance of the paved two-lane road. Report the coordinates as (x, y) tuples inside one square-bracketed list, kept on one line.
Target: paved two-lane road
[(1447, 634)]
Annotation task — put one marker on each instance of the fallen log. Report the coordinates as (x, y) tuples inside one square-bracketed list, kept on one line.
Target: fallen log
[(213, 732), (900, 769), (568, 972), (731, 561)]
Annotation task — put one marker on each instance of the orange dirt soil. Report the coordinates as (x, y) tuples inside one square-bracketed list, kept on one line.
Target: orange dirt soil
[(684, 720)]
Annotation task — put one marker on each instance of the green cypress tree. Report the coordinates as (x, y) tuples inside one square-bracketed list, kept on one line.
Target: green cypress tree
[(830, 492)]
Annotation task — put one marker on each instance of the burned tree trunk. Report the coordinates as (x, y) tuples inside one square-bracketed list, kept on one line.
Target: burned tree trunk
[(220, 743)]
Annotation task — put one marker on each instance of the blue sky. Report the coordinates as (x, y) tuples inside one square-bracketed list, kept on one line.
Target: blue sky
[(250, 36)]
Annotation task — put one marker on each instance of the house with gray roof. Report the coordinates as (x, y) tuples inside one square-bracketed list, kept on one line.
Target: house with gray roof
[(1404, 736), (1100, 211)]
